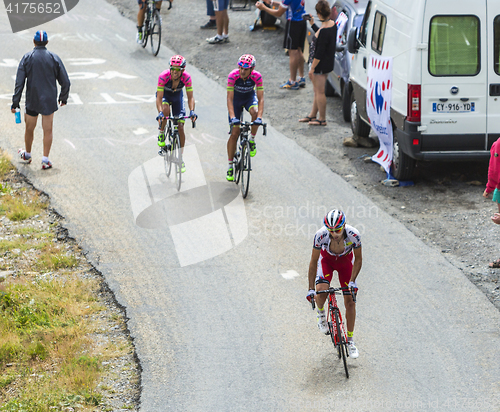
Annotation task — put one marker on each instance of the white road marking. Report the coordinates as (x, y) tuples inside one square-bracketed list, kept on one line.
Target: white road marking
[(84, 61), (71, 144), (140, 130), (290, 274)]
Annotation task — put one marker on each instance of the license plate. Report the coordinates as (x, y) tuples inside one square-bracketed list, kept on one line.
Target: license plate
[(453, 107)]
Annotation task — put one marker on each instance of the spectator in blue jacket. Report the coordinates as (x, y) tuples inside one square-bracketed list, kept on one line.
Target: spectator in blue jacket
[(295, 36), (41, 69)]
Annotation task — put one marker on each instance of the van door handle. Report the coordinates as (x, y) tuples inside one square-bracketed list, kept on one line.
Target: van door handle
[(464, 99), (494, 89), (364, 62), (443, 100)]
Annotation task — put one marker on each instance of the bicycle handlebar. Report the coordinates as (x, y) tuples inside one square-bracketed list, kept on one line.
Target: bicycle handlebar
[(179, 118), (264, 125), (335, 290)]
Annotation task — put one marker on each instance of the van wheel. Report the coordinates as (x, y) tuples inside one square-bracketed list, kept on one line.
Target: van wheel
[(346, 103), (358, 126), (329, 90), (402, 165)]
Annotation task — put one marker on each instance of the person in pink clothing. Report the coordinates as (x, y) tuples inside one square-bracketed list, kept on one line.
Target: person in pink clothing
[(493, 186)]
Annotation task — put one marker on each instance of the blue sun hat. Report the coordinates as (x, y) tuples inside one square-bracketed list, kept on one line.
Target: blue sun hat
[(41, 36)]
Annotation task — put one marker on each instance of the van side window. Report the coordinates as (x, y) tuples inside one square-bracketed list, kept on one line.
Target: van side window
[(362, 29), (454, 46), (378, 32), (496, 46)]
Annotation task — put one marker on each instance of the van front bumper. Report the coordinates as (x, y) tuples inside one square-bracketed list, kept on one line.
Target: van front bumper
[(466, 147)]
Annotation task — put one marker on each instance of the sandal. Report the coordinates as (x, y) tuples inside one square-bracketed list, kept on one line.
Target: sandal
[(495, 264), (307, 119), (316, 122)]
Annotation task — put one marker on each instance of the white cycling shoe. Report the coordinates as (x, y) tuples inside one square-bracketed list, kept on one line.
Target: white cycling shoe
[(322, 325), (353, 351)]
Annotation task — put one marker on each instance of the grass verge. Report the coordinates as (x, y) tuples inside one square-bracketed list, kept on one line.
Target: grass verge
[(62, 337)]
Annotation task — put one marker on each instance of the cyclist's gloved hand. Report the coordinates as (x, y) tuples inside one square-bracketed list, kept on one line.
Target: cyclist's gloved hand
[(353, 285), (235, 121), (257, 121), (160, 116), (192, 115), (310, 295)]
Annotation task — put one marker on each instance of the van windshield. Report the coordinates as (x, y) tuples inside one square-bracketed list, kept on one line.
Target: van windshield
[(454, 46)]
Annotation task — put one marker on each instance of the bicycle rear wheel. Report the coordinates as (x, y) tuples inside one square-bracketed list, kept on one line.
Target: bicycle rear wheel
[(177, 160), (245, 168), (155, 33), (342, 344)]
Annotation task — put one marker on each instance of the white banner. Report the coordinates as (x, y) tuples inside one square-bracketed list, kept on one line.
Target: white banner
[(378, 106), (341, 25)]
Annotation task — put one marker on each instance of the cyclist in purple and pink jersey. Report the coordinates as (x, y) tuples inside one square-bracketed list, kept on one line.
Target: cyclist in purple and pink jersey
[(336, 247), (169, 93), (244, 90)]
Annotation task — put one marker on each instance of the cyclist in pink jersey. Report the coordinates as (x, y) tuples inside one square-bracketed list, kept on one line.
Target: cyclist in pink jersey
[(336, 247), (169, 93), (244, 90)]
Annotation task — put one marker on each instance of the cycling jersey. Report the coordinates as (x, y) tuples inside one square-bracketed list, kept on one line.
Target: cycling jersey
[(175, 96), (352, 240), (329, 262), (165, 83), (295, 9), (239, 86)]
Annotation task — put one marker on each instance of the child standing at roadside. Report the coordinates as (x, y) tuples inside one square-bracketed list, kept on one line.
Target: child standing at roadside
[(493, 185)]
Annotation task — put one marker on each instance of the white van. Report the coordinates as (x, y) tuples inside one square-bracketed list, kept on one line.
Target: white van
[(446, 77)]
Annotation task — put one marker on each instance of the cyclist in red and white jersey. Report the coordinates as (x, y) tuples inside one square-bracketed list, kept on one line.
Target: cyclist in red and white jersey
[(244, 90), (337, 247)]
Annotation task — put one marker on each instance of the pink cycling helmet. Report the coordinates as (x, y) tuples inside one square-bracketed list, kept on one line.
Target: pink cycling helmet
[(178, 61), (247, 61)]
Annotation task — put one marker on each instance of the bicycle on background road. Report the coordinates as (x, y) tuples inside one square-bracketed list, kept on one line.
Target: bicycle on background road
[(336, 328), (172, 152), (241, 161), (152, 27)]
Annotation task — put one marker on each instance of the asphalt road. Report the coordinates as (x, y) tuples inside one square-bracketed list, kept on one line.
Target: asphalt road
[(214, 285)]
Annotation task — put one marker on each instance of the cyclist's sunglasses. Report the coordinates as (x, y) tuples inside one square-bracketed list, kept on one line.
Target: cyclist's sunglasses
[(175, 69), (336, 230)]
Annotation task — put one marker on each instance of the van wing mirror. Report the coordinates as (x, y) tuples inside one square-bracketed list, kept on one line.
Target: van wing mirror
[(352, 41)]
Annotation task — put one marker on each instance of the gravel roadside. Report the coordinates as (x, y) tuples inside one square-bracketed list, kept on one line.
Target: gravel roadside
[(120, 372)]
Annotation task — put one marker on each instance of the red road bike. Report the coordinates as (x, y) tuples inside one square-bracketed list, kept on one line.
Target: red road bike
[(336, 328)]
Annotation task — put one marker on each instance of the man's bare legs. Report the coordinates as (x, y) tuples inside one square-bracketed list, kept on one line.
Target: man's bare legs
[(296, 64), (47, 123), (29, 133)]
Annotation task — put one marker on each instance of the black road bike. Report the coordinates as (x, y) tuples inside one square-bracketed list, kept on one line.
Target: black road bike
[(241, 161), (152, 27), (171, 152)]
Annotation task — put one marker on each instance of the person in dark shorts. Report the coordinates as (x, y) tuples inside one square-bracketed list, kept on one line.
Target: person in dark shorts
[(295, 36), (42, 69), (322, 57)]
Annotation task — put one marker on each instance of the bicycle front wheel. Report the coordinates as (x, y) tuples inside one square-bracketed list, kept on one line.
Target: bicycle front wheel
[(342, 342), (155, 32), (177, 160), (167, 160), (245, 168)]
